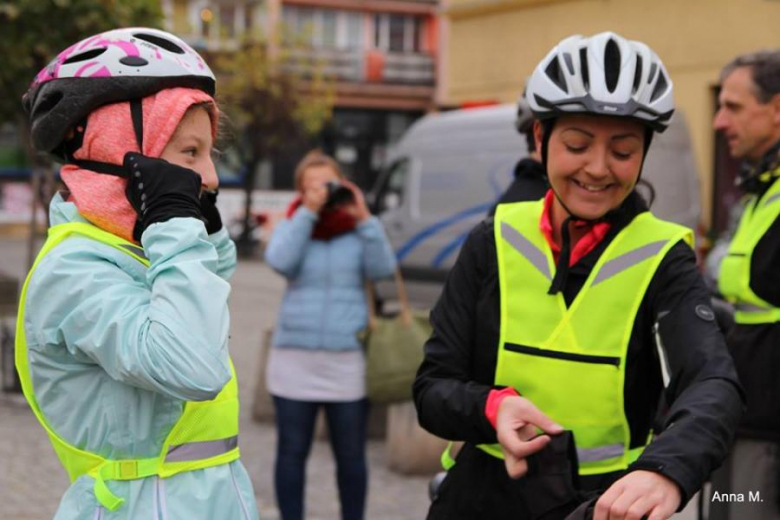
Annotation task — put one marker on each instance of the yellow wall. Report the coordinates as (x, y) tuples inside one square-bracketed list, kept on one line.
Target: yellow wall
[(495, 44)]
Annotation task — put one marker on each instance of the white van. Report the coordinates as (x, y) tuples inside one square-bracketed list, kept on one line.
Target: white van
[(449, 169)]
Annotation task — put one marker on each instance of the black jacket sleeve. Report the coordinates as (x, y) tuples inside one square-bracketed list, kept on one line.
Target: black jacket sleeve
[(450, 402), (702, 389)]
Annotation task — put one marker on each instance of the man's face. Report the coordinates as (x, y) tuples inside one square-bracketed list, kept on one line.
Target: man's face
[(751, 127)]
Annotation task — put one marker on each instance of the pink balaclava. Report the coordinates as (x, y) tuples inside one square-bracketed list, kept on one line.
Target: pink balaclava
[(100, 198)]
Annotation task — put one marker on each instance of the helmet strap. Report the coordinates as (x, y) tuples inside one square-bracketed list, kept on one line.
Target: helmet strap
[(564, 258), (137, 114), (117, 170), (69, 147)]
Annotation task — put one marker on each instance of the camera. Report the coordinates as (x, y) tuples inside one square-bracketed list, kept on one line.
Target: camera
[(338, 195)]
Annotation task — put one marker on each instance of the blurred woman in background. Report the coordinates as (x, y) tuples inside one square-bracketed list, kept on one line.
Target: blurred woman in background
[(328, 246)]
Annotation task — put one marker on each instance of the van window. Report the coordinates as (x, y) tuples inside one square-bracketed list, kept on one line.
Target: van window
[(391, 193)]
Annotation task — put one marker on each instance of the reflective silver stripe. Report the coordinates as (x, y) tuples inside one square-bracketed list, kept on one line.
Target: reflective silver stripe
[(137, 251), (750, 308), (601, 453), (524, 246), (200, 450), (771, 199), (627, 260), (659, 344)]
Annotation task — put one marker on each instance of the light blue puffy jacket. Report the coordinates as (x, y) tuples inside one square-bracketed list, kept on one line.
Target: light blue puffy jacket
[(324, 306), (115, 350)]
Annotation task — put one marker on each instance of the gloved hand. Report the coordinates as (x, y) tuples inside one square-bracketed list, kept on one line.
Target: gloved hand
[(211, 216), (160, 191)]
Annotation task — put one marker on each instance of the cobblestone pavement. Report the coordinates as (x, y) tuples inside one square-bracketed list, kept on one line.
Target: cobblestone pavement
[(32, 481)]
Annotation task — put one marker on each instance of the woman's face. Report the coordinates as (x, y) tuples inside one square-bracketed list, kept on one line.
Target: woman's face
[(593, 162), (316, 177), (191, 147)]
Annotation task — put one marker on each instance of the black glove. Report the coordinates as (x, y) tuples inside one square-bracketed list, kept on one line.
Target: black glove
[(160, 191), (211, 216)]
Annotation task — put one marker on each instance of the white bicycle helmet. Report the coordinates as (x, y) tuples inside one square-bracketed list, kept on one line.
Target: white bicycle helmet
[(118, 65), (604, 74)]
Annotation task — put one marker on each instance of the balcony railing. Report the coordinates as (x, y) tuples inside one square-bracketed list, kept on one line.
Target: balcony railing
[(371, 66)]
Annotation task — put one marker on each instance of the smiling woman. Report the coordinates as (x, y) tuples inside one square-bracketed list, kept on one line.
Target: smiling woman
[(596, 164), (579, 312)]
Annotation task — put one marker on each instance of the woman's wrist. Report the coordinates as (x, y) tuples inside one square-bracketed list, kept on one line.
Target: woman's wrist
[(494, 400)]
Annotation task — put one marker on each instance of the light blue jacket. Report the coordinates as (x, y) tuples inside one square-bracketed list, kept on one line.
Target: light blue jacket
[(115, 350), (324, 306)]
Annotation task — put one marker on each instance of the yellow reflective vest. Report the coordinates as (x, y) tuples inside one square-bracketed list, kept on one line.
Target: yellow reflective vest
[(734, 276), (205, 435), (571, 361)]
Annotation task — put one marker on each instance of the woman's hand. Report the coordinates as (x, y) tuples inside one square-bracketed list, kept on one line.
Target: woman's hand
[(314, 197), (517, 423), (638, 495), (358, 208)]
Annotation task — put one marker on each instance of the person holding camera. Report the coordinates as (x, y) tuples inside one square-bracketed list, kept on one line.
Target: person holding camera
[(328, 246)]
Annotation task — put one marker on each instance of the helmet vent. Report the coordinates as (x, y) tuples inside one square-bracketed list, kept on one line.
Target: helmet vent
[(660, 87), (133, 61), (569, 63), (47, 103), (584, 68), (553, 72), (611, 65), (84, 56), (650, 76), (168, 45), (637, 75)]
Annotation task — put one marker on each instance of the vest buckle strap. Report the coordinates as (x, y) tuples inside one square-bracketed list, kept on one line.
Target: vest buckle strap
[(119, 470), (200, 450)]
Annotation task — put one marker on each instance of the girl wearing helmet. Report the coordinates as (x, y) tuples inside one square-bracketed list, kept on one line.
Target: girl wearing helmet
[(123, 322), (565, 321)]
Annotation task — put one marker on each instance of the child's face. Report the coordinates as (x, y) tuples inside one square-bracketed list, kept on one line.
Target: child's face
[(191, 147)]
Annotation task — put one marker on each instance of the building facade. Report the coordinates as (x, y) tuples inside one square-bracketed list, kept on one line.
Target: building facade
[(495, 44), (380, 54)]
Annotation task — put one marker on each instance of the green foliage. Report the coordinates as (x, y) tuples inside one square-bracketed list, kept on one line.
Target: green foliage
[(272, 99), (32, 32)]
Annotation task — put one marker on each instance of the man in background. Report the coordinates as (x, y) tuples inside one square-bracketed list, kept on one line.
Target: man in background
[(749, 277)]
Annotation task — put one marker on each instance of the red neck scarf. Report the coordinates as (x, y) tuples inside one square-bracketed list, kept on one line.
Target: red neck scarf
[(584, 245), (331, 223)]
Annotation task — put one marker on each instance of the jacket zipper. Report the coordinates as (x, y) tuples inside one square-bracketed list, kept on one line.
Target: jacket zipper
[(238, 492), (161, 500), (568, 356)]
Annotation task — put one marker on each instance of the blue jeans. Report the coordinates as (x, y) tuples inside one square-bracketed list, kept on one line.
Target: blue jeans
[(347, 422)]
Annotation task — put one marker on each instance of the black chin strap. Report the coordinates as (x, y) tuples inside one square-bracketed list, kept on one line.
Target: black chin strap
[(117, 170), (562, 268), (137, 113)]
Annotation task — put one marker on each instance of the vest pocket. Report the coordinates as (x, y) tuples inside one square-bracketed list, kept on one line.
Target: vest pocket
[(582, 392), (568, 356)]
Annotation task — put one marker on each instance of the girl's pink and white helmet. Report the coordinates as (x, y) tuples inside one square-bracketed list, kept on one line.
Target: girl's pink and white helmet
[(117, 65)]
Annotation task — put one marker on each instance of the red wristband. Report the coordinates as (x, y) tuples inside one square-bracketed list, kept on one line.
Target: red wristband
[(494, 400)]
